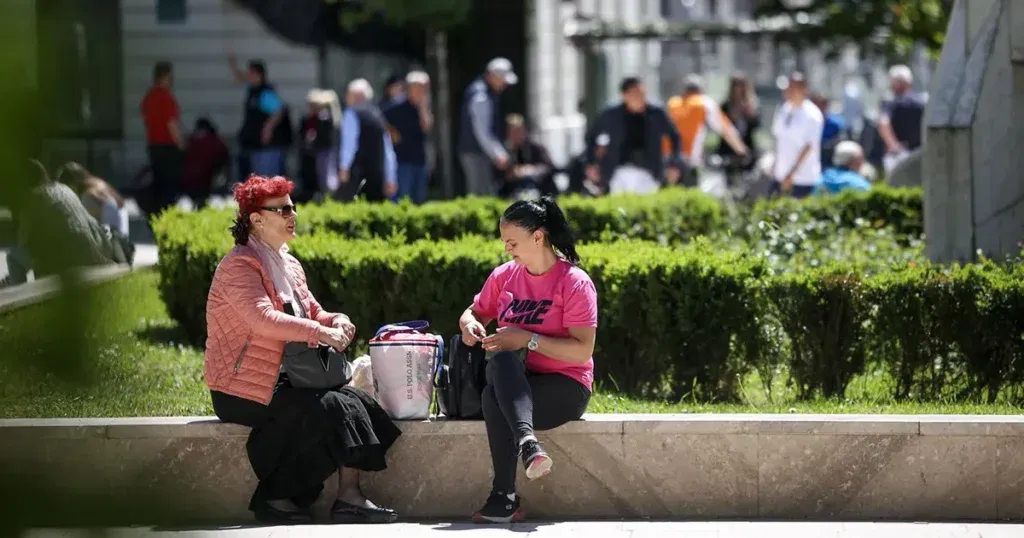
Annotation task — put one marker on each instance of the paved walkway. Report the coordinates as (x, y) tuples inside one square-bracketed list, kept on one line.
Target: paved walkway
[(589, 530)]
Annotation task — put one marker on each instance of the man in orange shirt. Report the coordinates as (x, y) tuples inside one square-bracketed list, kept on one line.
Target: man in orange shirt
[(164, 141), (692, 113)]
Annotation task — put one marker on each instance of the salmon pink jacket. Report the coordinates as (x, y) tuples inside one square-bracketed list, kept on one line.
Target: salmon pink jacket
[(247, 328)]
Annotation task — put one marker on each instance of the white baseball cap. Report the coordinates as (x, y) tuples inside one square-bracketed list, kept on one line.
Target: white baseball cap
[(503, 66)]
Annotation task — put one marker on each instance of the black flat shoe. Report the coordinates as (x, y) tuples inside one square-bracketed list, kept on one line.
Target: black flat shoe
[(273, 516), (343, 512)]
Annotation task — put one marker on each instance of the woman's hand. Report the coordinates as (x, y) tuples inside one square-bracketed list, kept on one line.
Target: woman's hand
[(507, 339), (335, 338), (343, 323), (473, 332)]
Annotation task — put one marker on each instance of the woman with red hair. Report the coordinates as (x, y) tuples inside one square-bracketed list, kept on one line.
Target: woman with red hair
[(259, 302)]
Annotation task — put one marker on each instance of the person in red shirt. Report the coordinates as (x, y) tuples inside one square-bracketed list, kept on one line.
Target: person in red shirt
[(164, 140)]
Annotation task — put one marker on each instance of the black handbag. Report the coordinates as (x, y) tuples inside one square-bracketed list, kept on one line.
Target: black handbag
[(318, 367)]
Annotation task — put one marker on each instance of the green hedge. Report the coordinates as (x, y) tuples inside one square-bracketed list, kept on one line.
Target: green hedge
[(901, 209), (678, 322), (672, 216)]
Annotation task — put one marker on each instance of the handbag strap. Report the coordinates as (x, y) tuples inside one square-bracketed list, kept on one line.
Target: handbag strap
[(438, 366), (403, 326)]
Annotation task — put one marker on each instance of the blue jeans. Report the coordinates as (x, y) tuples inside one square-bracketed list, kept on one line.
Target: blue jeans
[(412, 182), (267, 162), (798, 191)]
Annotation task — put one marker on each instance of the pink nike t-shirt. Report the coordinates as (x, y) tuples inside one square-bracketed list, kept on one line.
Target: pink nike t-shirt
[(547, 304)]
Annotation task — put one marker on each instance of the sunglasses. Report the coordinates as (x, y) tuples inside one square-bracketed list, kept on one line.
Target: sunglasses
[(287, 210)]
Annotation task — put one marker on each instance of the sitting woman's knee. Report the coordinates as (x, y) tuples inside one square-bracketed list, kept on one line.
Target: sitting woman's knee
[(501, 364), (503, 359)]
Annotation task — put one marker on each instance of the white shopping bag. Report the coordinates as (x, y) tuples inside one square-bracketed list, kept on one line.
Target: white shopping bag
[(404, 361)]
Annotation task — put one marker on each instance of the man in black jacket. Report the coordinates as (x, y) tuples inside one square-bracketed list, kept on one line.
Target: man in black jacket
[(624, 144), (367, 154), (266, 132)]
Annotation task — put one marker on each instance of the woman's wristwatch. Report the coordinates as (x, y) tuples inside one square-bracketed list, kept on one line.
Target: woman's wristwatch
[(534, 342)]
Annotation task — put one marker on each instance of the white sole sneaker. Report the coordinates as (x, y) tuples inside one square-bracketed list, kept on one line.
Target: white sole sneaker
[(540, 466)]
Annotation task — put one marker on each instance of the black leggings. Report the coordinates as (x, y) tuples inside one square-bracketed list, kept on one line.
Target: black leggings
[(516, 402)]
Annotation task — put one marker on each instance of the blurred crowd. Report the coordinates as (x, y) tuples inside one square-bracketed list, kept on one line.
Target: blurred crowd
[(382, 148), (640, 146)]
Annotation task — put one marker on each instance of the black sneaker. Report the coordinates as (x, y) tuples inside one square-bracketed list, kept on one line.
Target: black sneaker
[(499, 509), (536, 462)]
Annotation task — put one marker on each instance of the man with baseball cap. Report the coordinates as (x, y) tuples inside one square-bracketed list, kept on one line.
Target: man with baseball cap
[(482, 128)]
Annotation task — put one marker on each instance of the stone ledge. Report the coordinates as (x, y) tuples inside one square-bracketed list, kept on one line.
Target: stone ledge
[(37, 291), (591, 424), (796, 467)]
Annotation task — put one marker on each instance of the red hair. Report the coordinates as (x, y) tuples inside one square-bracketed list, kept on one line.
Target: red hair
[(252, 194), (256, 190)]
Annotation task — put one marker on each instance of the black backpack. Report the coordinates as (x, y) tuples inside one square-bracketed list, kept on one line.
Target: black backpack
[(461, 380)]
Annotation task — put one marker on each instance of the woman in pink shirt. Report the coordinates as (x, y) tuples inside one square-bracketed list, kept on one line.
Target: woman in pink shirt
[(541, 370)]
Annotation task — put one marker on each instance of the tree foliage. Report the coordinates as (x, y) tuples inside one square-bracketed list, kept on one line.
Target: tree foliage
[(894, 26), (425, 14)]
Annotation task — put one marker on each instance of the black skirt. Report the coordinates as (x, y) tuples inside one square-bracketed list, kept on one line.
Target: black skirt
[(305, 435)]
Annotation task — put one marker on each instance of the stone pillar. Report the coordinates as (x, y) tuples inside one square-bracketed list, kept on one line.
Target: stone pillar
[(974, 188)]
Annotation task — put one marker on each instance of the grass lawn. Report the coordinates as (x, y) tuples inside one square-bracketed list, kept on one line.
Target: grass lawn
[(123, 356)]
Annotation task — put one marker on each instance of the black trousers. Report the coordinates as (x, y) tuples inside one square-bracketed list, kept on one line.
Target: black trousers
[(516, 402), (165, 164), (372, 189)]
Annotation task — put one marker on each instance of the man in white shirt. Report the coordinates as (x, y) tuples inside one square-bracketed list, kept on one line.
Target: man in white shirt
[(797, 129)]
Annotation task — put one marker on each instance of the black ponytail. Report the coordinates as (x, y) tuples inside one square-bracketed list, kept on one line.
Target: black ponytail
[(546, 214)]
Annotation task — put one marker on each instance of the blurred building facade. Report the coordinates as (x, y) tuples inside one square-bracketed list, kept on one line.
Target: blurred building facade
[(568, 74), (93, 65)]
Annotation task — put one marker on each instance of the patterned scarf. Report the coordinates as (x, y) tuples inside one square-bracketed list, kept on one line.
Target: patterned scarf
[(274, 262)]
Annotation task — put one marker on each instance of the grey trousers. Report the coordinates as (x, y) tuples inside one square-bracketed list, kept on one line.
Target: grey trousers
[(480, 176)]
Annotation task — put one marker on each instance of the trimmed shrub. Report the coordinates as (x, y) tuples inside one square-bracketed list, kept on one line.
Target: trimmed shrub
[(681, 322), (908, 332), (898, 208), (672, 215), (666, 314), (822, 313), (950, 333)]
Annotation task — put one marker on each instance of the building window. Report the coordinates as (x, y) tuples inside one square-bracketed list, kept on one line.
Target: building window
[(171, 11)]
